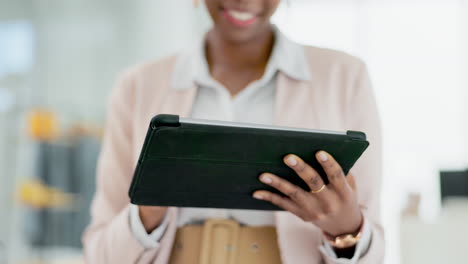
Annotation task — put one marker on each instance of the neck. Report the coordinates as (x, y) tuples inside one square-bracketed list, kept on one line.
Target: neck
[(245, 55)]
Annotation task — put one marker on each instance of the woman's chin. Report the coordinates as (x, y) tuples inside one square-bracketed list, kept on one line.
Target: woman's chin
[(241, 35)]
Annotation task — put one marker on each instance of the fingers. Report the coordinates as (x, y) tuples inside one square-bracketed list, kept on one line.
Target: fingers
[(311, 206), (294, 192), (325, 199), (282, 202), (334, 172), (305, 171)]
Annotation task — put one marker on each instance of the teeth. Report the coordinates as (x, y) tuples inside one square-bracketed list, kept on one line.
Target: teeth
[(244, 16)]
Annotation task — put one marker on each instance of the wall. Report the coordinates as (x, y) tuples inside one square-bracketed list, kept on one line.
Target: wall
[(465, 75), (81, 45)]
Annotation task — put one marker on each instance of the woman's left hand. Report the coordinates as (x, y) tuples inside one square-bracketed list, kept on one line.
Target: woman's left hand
[(333, 208)]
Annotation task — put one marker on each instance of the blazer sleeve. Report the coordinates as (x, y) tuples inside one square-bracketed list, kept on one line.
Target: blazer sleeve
[(362, 115), (108, 238)]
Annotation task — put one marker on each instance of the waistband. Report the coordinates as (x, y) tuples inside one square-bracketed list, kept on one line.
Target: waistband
[(225, 241)]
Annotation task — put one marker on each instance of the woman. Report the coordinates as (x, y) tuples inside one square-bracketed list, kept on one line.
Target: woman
[(246, 70)]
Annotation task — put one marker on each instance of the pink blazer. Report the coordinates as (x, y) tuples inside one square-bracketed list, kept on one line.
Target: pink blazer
[(337, 97)]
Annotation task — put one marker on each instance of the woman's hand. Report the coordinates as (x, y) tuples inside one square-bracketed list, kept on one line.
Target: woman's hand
[(151, 216), (333, 208)]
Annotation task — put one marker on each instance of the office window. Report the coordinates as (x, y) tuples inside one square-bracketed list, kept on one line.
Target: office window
[(16, 47)]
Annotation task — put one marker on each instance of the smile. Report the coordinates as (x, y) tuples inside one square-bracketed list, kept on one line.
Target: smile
[(240, 18)]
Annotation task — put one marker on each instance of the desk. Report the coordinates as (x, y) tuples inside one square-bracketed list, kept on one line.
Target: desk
[(444, 241)]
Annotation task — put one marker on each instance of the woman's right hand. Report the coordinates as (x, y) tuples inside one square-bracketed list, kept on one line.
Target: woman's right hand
[(151, 216)]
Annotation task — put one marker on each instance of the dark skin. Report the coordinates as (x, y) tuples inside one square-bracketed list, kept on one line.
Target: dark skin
[(238, 55)]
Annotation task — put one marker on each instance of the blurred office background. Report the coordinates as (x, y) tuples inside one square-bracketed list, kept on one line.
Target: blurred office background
[(59, 59)]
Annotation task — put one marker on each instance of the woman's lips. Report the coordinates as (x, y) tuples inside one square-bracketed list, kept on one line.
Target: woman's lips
[(240, 18)]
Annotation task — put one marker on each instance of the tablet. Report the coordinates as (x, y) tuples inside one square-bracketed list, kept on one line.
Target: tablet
[(214, 164)]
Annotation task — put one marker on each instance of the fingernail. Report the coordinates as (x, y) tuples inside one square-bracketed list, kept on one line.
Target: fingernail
[(266, 179), (291, 161), (258, 196), (322, 156)]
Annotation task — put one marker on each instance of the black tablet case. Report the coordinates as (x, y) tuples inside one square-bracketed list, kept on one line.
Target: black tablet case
[(193, 165)]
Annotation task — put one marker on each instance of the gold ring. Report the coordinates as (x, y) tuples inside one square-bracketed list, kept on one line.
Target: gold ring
[(319, 190)]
